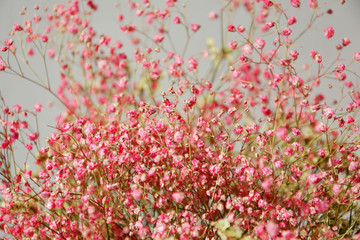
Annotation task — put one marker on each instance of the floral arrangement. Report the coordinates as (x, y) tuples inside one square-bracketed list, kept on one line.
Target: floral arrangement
[(235, 141)]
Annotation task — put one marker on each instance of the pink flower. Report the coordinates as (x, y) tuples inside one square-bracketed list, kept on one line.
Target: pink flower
[(51, 53), (178, 137), (341, 76), (281, 133), (259, 43), (336, 188), (137, 194), (313, 4), (313, 179), (346, 41), (213, 15), (272, 229), (318, 58), (16, 108), (231, 28), (29, 146), (321, 152), (329, 32), (44, 38), (176, 20), (328, 113), (2, 65), (240, 28), (59, 202), (278, 164), (32, 136), (70, 210), (194, 27), (30, 52), (267, 184), (356, 56), (9, 42), (353, 166), (50, 204), (295, 3), (233, 44), (259, 230), (37, 107), (17, 27), (287, 31), (291, 20), (270, 24), (349, 119), (43, 174), (247, 49), (178, 196), (158, 38)]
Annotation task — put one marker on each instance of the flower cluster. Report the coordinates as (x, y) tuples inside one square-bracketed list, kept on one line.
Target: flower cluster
[(150, 147)]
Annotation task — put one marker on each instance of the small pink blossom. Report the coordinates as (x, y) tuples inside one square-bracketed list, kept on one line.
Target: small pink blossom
[(50, 204), (247, 49), (37, 107), (176, 20), (213, 15), (30, 52), (287, 31), (291, 20), (349, 119), (51, 53), (356, 56), (295, 3), (294, 54), (9, 42), (259, 230), (158, 38), (328, 112), (70, 210), (195, 27), (137, 194), (29, 146), (59, 202), (313, 179), (2, 65), (272, 229), (231, 28), (5, 144), (233, 44), (259, 43), (240, 28), (17, 27), (329, 32), (270, 24), (16, 108), (44, 38), (341, 76), (43, 174), (345, 41), (178, 137), (32, 136), (318, 58), (313, 4), (353, 166), (336, 188), (178, 196), (321, 152)]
